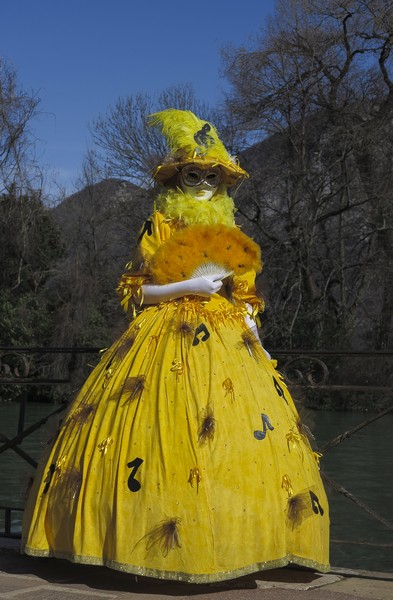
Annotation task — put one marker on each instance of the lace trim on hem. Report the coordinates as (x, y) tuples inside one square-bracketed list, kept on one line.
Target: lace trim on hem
[(178, 575)]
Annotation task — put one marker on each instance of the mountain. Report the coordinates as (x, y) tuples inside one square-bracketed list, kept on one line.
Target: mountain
[(99, 226)]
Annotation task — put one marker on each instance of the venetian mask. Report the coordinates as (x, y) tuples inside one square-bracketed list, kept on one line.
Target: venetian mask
[(200, 183)]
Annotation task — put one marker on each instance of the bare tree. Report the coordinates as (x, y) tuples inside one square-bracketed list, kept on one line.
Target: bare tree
[(128, 146), (18, 169), (316, 85)]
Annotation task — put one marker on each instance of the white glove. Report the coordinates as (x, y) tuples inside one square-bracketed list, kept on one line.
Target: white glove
[(205, 286), (253, 326)]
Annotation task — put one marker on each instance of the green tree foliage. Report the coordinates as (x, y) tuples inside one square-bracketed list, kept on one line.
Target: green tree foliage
[(29, 238), (29, 248)]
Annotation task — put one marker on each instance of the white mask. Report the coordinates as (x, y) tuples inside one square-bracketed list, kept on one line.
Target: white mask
[(199, 192), (200, 184)]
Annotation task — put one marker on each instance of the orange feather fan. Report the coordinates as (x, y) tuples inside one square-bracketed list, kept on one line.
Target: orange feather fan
[(218, 248)]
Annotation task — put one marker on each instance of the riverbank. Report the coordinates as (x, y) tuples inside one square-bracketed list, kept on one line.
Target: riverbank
[(23, 577)]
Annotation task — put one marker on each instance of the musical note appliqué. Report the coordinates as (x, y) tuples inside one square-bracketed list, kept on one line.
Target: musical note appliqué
[(201, 329), (317, 508), (133, 484), (260, 435), (279, 389)]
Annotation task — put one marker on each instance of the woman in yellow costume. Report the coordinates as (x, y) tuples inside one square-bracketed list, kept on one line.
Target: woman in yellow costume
[(183, 456)]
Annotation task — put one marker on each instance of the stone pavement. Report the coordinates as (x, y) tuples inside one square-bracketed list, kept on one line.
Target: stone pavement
[(26, 578)]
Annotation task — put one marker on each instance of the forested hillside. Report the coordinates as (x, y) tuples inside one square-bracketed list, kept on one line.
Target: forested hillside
[(98, 228)]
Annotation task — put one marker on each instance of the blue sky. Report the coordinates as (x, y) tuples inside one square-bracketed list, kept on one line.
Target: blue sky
[(80, 56)]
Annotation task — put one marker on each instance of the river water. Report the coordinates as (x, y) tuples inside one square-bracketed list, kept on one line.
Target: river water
[(363, 464)]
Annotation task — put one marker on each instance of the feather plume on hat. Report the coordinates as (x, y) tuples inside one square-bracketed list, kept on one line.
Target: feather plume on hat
[(192, 141)]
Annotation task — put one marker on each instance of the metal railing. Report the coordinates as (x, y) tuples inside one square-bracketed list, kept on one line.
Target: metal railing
[(305, 372)]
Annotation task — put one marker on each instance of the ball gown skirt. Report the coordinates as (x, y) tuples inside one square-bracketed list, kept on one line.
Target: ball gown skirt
[(182, 457)]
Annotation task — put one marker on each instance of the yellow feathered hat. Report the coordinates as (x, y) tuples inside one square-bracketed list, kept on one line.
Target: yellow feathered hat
[(192, 140)]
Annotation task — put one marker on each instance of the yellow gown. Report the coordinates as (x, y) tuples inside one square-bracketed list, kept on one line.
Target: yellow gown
[(183, 456)]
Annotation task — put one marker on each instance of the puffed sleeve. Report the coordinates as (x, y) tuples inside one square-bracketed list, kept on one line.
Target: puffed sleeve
[(154, 232), (244, 292)]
